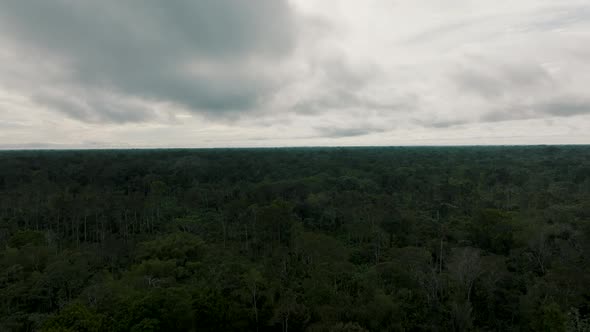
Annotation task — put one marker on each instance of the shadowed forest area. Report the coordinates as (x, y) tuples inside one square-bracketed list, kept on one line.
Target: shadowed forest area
[(296, 239)]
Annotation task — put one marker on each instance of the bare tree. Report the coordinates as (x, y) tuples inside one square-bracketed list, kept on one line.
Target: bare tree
[(465, 268), (539, 249)]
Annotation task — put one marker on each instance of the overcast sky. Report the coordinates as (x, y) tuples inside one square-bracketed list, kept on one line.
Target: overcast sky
[(217, 73)]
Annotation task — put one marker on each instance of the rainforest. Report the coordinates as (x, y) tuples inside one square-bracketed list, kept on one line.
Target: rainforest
[(492, 238)]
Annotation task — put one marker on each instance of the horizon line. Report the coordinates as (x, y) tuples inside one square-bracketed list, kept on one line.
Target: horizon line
[(119, 148)]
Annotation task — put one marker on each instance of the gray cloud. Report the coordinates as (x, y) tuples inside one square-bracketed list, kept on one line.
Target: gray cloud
[(515, 89), (567, 106), (494, 79), (345, 99), (203, 55), (561, 16), (95, 110), (442, 123), (339, 132), (343, 86), (558, 107)]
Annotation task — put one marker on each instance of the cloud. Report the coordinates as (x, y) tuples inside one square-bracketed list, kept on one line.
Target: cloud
[(491, 21), (207, 56), (442, 123), (10, 125), (339, 132), (290, 72), (567, 106), (506, 89), (334, 84), (94, 109), (493, 79), (57, 146)]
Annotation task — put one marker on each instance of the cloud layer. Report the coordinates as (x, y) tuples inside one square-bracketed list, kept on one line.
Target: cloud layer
[(300, 72), (206, 56)]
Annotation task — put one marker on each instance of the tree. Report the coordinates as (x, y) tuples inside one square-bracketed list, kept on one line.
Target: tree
[(393, 224), (464, 268), (75, 317), (254, 281)]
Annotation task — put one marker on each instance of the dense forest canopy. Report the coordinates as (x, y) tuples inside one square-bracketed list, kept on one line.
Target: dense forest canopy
[(298, 239)]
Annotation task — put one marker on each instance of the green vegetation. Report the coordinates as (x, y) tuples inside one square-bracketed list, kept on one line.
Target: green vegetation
[(306, 239)]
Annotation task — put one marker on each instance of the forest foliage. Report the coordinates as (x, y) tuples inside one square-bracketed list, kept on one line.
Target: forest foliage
[(300, 239)]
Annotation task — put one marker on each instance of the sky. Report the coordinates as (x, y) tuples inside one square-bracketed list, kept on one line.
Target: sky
[(260, 73)]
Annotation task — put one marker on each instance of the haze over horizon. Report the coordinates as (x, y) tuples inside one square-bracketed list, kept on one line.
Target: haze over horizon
[(265, 73)]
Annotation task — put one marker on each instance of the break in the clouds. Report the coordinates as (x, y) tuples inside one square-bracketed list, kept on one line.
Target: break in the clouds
[(300, 72)]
